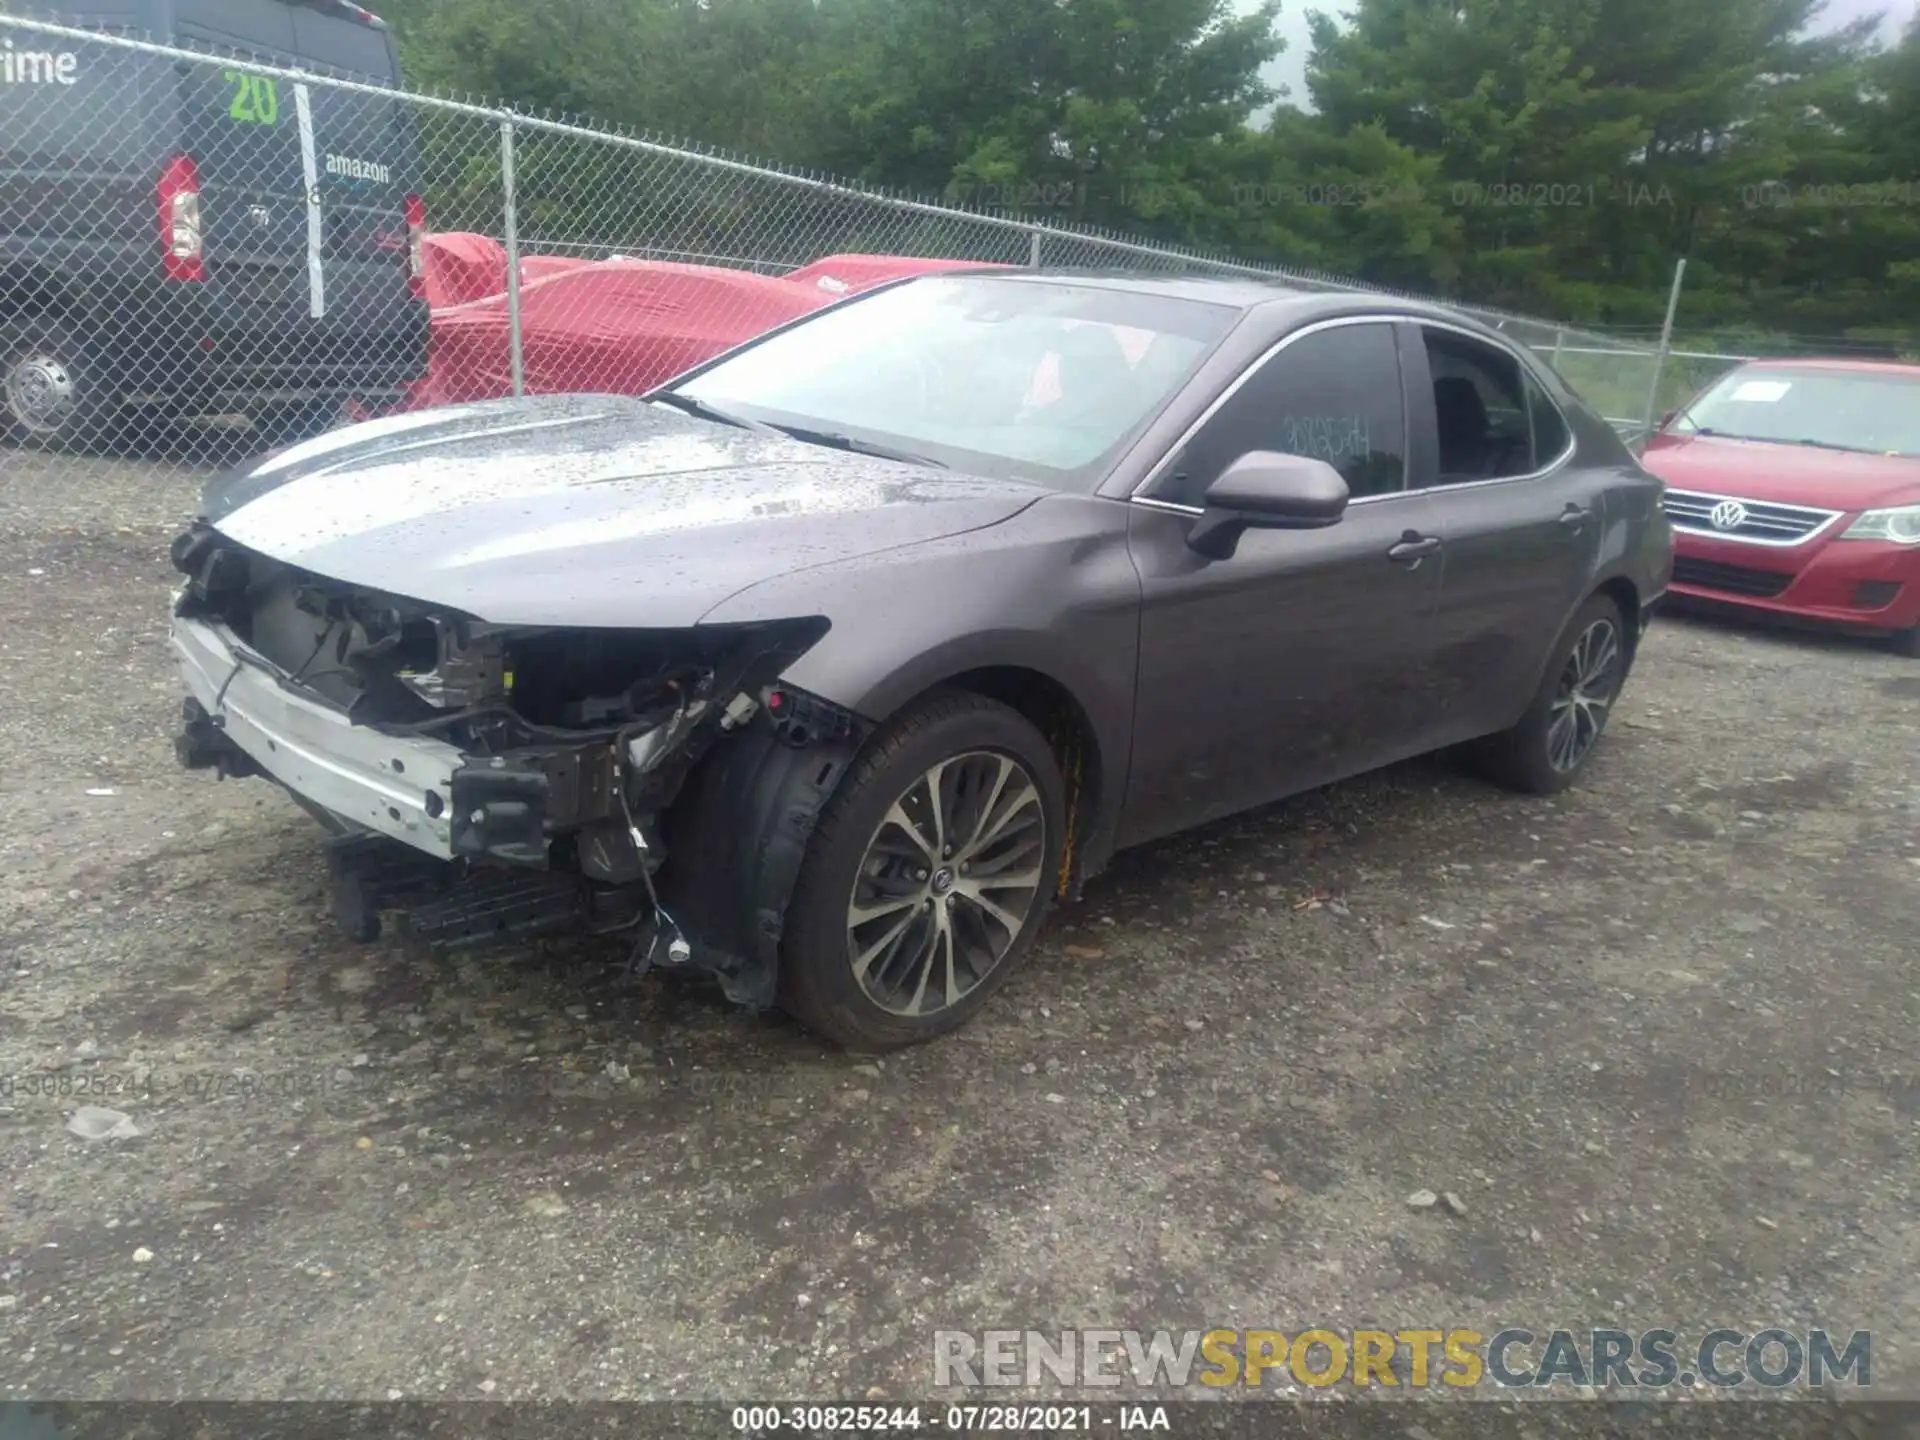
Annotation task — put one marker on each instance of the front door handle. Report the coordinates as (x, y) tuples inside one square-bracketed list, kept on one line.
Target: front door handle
[(1413, 548), (1575, 519)]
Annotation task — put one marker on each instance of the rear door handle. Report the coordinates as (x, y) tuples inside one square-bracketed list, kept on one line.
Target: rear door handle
[(1574, 518), (1413, 548)]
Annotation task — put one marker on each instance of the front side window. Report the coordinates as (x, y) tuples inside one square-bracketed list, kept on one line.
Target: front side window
[(1039, 381), (1876, 412), (1332, 395)]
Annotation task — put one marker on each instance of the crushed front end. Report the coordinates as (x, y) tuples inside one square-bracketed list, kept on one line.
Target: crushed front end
[(486, 782)]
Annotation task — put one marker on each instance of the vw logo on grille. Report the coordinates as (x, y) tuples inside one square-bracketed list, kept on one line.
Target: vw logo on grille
[(1728, 515)]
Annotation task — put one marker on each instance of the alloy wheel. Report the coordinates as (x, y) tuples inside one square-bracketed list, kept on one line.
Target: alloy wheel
[(948, 881), (1585, 693)]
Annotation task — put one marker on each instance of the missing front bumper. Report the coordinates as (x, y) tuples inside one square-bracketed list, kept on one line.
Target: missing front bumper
[(466, 848), (241, 719)]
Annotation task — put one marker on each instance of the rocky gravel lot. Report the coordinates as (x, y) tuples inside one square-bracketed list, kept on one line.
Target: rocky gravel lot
[(1659, 1038)]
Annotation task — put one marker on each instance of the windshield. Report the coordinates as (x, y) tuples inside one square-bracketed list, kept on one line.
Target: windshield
[(1043, 382), (1877, 413)]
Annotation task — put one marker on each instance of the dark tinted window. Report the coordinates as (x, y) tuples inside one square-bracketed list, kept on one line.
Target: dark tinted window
[(1332, 396), (1550, 433), (258, 27), (334, 42), (296, 33), (1480, 402)]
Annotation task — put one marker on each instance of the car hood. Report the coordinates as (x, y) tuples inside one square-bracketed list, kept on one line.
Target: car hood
[(1784, 474), (584, 510)]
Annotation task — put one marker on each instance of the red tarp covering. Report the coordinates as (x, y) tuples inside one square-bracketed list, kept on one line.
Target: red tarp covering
[(543, 267), (462, 267), (619, 327)]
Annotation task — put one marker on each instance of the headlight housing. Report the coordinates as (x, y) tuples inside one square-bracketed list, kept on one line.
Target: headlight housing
[(1901, 525)]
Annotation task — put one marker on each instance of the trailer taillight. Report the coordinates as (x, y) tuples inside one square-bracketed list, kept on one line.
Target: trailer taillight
[(182, 251), (416, 245)]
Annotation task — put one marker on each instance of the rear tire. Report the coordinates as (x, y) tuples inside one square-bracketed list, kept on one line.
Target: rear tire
[(1556, 738), (1907, 643), (906, 919), (49, 386)]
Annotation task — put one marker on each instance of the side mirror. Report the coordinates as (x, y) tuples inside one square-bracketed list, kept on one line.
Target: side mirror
[(1265, 490)]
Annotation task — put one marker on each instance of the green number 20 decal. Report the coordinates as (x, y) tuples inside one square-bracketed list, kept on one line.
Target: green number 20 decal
[(255, 100)]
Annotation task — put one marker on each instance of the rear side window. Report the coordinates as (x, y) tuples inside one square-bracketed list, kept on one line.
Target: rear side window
[(1480, 402), (1550, 433), (1335, 395)]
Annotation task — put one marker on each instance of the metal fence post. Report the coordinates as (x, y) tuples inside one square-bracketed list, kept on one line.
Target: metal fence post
[(1033, 250), (1660, 355), (1559, 345), (515, 355)]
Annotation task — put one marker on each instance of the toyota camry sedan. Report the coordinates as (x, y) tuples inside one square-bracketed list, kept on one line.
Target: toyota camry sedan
[(825, 668)]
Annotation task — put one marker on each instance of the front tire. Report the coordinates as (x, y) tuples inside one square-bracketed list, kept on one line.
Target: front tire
[(1906, 642), (928, 877), (49, 386), (1556, 738)]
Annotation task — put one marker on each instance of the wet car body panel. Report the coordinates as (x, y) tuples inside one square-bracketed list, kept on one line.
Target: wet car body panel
[(590, 511), (1054, 591)]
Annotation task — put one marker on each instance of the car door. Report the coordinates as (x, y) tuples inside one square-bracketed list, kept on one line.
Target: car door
[(1521, 524), (1306, 655)]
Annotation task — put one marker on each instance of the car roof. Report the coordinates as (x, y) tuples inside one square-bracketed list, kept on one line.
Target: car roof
[(1864, 367), (1241, 292)]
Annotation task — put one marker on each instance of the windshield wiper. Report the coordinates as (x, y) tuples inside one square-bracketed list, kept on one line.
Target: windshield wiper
[(841, 441), (706, 411)]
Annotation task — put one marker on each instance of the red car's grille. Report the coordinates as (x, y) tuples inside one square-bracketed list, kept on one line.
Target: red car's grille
[(1732, 579), (1727, 518)]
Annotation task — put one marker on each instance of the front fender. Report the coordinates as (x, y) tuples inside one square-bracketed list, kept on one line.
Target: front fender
[(1052, 591)]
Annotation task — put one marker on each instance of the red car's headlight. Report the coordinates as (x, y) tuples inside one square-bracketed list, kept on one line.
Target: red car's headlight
[(1900, 525)]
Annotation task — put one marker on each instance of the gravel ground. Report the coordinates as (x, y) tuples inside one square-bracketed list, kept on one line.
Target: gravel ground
[(1659, 1036)]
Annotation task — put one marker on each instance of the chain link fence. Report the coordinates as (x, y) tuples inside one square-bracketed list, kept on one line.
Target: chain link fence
[(245, 248)]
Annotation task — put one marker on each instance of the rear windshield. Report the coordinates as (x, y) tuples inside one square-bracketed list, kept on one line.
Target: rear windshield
[(315, 39)]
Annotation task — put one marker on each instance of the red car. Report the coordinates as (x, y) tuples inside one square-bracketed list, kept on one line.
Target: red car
[(1794, 488)]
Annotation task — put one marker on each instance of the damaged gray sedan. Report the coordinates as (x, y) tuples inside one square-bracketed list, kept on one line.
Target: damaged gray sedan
[(824, 669)]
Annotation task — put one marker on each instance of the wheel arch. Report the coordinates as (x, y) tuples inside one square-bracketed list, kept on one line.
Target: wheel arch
[(1060, 716), (1623, 592), (738, 833), (1084, 711)]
